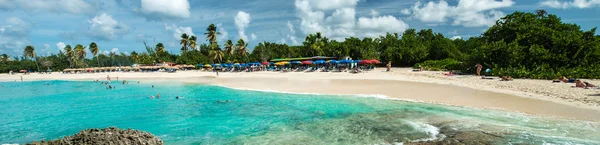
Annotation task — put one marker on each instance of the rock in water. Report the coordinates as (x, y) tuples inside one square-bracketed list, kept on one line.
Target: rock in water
[(107, 136)]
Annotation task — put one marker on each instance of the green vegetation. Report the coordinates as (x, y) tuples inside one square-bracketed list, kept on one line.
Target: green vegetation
[(523, 45)]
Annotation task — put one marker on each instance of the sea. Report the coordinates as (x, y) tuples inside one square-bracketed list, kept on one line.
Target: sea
[(208, 114)]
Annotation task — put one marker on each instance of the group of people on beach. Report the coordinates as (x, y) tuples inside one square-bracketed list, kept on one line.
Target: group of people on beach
[(578, 83)]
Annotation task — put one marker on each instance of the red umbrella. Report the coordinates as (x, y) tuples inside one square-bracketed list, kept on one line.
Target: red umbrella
[(375, 61), (365, 62), (307, 62), (265, 63)]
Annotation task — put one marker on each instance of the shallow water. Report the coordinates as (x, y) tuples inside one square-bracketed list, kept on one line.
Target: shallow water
[(32, 111)]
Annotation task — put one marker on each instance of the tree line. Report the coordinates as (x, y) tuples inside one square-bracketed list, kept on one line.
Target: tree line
[(521, 44)]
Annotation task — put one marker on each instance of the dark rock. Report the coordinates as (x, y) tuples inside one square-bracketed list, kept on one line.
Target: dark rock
[(107, 136)]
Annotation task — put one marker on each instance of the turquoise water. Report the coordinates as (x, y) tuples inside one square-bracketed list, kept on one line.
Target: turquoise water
[(33, 111)]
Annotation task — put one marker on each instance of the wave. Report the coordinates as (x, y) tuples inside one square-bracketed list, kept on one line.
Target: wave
[(379, 96)]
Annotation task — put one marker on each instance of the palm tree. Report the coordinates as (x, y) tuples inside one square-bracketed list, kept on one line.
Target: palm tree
[(80, 52), (160, 48), (216, 55), (229, 49), (71, 55), (30, 52), (184, 42), (541, 13), (4, 58), (192, 42), (134, 55), (211, 33), (241, 47), (94, 49)]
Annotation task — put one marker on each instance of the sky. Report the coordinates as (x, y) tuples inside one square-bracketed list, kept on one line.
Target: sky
[(123, 25)]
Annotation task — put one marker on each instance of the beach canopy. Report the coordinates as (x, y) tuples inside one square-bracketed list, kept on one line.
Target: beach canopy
[(345, 61), (295, 62), (356, 61), (365, 62), (265, 63), (333, 61), (207, 65), (374, 61), (307, 62), (319, 62)]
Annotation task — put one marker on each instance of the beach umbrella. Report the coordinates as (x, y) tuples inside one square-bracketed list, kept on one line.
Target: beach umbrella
[(284, 62), (356, 61), (333, 61), (345, 61), (319, 62), (365, 62), (265, 63), (374, 61), (243, 65), (207, 65), (295, 62), (307, 62)]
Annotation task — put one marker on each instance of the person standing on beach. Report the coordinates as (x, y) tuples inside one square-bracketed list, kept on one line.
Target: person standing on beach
[(108, 78), (389, 66), (479, 66)]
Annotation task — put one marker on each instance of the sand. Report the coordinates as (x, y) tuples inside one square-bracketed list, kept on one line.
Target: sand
[(536, 97)]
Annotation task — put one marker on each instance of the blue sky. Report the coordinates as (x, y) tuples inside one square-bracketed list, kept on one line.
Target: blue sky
[(122, 25)]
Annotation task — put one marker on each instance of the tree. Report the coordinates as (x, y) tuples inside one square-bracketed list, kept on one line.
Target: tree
[(192, 42), (30, 52), (184, 42), (70, 55), (229, 49), (242, 47), (94, 50), (211, 33), (160, 48), (541, 13), (217, 56), (80, 52), (4, 58), (135, 57)]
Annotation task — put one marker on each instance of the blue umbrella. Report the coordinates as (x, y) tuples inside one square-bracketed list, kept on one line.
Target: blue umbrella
[(356, 61), (345, 61), (295, 62), (333, 61), (319, 62), (243, 65), (271, 63)]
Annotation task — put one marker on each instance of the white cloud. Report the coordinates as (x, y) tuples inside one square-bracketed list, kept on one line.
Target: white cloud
[(114, 50), (165, 9), (178, 30), (106, 52), (104, 27), (60, 46), (405, 11), (468, 13), (47, 50), (374, 13), (252, 36), (291, 27), (454, 32), (570, 3), (282, 41), (14, 34), (57, 6), (242, 20), (377, 26), (342, 21), (456, 37), (224, 33), (293, 39)]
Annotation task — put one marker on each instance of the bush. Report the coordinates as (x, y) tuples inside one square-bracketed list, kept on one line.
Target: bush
[(437, 65)]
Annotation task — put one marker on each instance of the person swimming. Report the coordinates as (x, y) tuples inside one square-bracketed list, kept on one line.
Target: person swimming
[(151, 97), (152, 86), (158, 95), (177, 97)]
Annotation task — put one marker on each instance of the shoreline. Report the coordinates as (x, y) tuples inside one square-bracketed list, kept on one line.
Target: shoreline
[(398, 85)]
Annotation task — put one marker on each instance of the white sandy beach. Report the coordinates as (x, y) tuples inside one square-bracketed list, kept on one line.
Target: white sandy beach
[(539, 97)]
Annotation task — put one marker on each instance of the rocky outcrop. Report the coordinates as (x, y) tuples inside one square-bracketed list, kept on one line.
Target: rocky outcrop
[(107, 136)]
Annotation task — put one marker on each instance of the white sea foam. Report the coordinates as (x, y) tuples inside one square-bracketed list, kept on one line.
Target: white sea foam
[(379, 96), (431, 130)]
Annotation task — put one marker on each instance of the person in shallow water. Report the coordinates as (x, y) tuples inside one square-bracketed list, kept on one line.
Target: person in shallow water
[(158, 95), (177, 97), (151, 97)]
